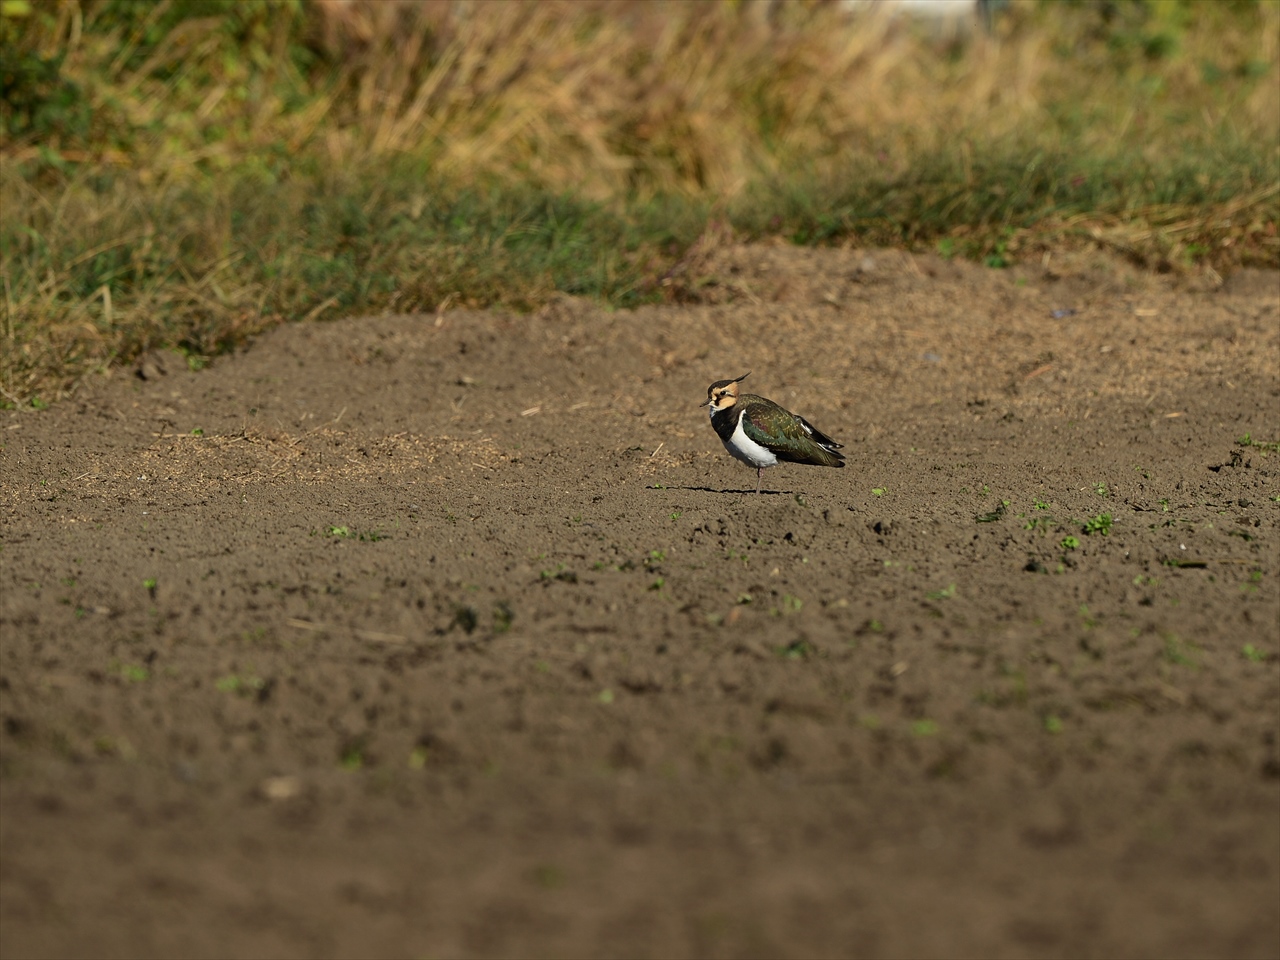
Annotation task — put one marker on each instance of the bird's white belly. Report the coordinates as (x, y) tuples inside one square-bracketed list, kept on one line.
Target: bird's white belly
[(747, 450)]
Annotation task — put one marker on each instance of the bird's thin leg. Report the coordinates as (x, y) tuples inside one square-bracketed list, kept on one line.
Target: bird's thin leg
[(759, 476)]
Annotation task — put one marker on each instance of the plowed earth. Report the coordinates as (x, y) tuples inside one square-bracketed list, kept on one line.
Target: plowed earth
[(461, 634)]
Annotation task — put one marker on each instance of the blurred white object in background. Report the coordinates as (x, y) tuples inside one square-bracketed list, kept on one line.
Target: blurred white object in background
[(949, 17)]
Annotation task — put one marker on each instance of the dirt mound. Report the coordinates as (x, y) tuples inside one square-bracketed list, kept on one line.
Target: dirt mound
[(462, 634)]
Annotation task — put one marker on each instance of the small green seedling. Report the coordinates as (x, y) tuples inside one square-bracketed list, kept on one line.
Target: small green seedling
[(1099, 524), (1179, 652), (797, 650), (1069, 543), (503, 616), (241, 685), (1245, 441), (352, 756), (1253, 654)]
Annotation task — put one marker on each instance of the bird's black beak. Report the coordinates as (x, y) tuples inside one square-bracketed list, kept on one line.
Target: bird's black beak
[(705, 402)]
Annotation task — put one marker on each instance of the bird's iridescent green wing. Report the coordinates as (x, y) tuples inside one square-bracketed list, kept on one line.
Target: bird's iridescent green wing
[(782, 432)]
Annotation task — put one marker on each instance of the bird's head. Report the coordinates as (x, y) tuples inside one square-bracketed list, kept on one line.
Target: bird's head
[(723, 394)]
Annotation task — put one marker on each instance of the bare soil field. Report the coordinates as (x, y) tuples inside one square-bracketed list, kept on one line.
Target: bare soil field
[(462, 635)]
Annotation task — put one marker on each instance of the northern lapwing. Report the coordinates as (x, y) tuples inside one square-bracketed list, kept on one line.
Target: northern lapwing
[(760, 433)]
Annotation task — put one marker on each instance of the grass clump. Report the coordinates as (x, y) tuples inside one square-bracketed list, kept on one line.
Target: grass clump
[(189, 172)]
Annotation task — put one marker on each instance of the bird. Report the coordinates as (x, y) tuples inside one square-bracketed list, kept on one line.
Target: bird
[(760, 433)]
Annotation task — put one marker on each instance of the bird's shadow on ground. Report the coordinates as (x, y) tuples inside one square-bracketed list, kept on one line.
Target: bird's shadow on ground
[(763, 493)]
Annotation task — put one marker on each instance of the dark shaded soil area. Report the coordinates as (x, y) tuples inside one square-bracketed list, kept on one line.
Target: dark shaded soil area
[(461, 635)]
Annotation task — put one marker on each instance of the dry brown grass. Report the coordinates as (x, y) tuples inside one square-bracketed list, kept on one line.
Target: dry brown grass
[(318, 456), (607, 98)]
